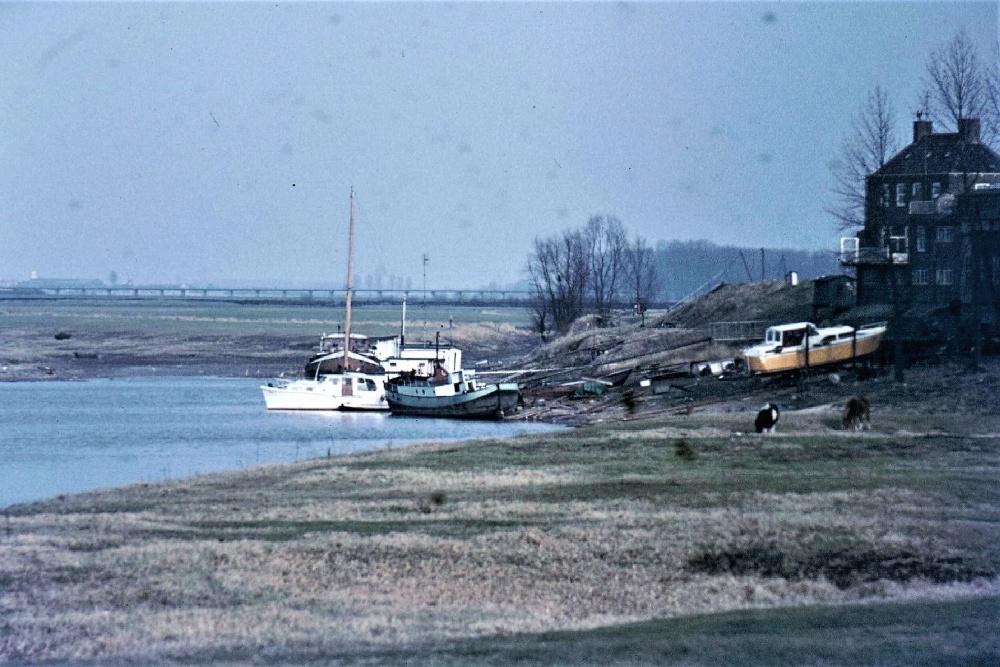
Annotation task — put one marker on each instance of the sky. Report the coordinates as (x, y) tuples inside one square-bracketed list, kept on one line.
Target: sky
[(217, 143)]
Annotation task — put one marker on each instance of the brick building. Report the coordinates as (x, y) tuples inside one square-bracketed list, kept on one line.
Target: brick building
[(932, 213)]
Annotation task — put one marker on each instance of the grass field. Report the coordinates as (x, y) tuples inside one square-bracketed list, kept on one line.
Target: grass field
[(683, 539)]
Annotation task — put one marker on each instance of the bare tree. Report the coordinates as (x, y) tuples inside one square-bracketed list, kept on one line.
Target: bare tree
[(640, 270), (606, 241), (956, 83), (558, 269), (871, 143)]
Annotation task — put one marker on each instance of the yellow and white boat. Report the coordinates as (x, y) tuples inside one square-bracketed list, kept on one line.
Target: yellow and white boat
[(801, 345)]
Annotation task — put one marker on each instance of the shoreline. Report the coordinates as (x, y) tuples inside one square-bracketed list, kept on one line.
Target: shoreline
[(490, 542), (656, 515)]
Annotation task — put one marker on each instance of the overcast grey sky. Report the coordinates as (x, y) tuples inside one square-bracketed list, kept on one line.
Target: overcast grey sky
[(218, 142)]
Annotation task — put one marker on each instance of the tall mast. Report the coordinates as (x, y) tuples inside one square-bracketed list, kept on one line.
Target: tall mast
[(350, 284), (402, 326)]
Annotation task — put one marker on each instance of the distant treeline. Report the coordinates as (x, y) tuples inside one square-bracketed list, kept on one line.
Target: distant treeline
[(684, 266)]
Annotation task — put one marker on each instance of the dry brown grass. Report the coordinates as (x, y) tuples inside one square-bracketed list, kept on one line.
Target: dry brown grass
[(571, 531), (771, 301)]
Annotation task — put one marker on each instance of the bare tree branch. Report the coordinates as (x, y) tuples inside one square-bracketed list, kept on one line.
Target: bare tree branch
[(640, 269), (606, 241), (558, 270), (871, 143), (956, 82)]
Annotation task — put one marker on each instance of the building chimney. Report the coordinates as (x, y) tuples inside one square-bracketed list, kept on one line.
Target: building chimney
[(968, 129), (921, 128)]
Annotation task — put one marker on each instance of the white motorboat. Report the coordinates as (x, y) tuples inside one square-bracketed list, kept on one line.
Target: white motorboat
[(334, 391), (802, 345)]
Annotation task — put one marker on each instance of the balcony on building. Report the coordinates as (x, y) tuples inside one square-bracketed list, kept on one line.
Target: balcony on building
[(852, 253)]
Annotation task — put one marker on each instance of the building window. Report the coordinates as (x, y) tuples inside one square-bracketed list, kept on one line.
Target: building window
[(900, 194), (945, 234), (921, 276), (918, 192), (935, 190), (943, 277), (921, 238), (885, 195)]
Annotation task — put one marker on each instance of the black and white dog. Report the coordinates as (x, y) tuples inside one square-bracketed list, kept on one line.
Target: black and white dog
[(767, 418)]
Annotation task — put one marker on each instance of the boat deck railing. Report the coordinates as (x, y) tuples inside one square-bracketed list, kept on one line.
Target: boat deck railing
[(738, 331)]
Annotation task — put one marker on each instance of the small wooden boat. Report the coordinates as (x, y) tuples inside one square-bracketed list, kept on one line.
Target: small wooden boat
[(802, 345), (451, 394)]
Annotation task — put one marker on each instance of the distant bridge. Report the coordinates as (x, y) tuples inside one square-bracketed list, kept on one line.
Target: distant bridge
[(470, 297), (414, 297)]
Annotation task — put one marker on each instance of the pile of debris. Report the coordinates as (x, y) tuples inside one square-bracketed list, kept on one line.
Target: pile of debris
[(609, 362)]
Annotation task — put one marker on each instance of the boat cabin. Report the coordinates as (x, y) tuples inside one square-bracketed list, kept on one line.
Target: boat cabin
[(794, 335), (417, 357), (330, 343), (790, 335)]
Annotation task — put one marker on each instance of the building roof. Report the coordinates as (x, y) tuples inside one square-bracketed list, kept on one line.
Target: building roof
[(942, 153)]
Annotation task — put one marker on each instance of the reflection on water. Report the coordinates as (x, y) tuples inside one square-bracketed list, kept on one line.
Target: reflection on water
[(64, 437)]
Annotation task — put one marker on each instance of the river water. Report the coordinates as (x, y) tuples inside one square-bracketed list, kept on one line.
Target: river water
[(65, 437)]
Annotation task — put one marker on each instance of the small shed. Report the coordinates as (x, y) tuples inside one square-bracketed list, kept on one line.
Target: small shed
[(834, 292)]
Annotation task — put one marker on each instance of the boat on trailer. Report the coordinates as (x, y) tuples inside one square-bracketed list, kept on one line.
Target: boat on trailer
[(455, 394), (803, 345)]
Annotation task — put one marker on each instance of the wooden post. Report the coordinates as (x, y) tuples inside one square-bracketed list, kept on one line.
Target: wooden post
[(854, 349), (805, 374)]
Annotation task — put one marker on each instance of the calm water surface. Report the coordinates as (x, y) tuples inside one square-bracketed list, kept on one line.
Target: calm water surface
[(64, 437)]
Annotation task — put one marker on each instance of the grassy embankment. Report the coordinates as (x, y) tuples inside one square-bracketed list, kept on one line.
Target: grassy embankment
[(680, 539)]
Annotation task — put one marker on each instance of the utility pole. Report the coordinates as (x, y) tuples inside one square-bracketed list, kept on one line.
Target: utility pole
[(746, 265), (426, 259)]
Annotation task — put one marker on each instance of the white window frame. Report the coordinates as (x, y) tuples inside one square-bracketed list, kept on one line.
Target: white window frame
[(900, 194), (921, 276), (943, 277), (935, 189), (886, 195), (945, 234), (917, 191), (921, 234)]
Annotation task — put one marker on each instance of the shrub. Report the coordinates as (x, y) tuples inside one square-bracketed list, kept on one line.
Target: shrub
[(684, 451)]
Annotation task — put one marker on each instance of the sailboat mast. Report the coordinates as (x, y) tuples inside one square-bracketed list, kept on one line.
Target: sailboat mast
[(402, 326), (350, 285)]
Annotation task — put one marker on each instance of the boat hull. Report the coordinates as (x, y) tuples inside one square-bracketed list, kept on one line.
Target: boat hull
[(490, 402), (365, 392), (819, 355), (285, 398)]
